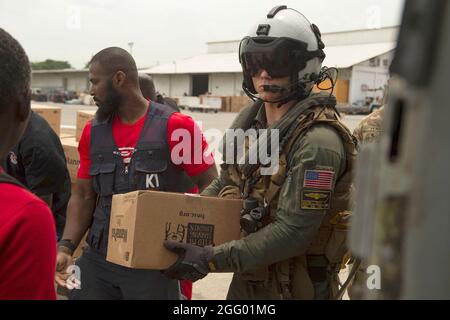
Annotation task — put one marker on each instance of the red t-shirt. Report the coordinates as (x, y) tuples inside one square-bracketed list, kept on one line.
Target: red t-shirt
[(27, 246), (126, 137)]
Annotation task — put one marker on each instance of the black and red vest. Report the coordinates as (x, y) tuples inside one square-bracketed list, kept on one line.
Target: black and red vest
[(150, 168)]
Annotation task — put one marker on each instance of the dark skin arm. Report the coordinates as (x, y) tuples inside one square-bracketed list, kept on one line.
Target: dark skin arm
[(79, 215), (79, 211), (205, 178)]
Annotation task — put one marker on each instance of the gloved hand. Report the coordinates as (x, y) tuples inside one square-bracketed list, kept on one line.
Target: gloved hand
[(192, 263)]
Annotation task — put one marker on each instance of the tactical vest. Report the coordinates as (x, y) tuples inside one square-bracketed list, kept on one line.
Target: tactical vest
[(294, 277), (150, 168)]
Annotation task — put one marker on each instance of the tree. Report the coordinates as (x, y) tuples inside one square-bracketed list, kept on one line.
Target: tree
[(50, 64)]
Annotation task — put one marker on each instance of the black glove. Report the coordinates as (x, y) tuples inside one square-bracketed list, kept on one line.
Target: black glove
[(192, 263)]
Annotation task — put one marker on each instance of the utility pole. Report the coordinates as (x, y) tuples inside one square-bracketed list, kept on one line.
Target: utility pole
[(130, 44)]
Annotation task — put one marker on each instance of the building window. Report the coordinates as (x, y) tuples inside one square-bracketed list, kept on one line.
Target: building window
[(374, 62), (385, 62)]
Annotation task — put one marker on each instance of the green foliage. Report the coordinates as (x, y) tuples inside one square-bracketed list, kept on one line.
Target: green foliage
[(50, 64)]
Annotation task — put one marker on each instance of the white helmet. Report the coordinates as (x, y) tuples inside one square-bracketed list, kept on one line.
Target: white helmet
[(284, 44)]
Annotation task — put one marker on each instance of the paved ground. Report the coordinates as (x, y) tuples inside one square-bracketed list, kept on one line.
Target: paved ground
[(214, 286)]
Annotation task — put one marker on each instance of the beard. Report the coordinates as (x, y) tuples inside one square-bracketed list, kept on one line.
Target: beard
[(109, 106)]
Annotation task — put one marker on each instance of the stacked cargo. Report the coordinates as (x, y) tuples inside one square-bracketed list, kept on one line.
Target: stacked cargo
[(51, 114), (83, 116), (208, 102), (70, 143), (237, 103)]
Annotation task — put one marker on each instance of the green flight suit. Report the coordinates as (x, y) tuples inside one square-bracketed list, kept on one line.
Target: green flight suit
[(293, 229)]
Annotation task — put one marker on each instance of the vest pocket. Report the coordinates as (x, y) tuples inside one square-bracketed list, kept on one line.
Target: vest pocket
[(149, 174), (103, 178), (97, 229)]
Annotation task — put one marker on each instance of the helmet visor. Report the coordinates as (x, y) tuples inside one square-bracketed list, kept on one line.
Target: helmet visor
[(280, 57)]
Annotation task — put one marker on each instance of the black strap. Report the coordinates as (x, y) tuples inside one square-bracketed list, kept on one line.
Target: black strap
[(6, 178)]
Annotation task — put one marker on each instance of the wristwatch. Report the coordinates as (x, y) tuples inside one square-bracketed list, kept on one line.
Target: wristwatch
[(67, 243)]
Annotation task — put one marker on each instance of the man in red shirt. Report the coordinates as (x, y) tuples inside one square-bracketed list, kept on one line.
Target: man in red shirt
[(27, 231), (132, 144)]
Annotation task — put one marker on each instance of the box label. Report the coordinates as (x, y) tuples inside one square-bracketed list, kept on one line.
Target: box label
[(200, 234), (120, 233), (175, 232)]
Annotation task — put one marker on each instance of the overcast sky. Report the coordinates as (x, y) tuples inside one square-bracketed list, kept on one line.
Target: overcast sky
[(165, 30)]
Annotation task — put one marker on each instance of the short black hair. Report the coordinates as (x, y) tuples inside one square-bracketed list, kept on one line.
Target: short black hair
[(15, 70), (147, 86), (114, 59), (168, 102)]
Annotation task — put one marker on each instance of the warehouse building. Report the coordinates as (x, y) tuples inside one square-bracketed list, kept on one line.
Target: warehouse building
[(65, 79), (362, 57)]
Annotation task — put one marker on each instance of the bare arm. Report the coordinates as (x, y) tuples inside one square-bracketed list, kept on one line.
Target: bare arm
[(218, 184), (79, 211), (205, 178)]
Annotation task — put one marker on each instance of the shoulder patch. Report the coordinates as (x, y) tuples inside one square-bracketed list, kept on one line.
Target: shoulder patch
[(315, 200), (324, 168), (318, 179)]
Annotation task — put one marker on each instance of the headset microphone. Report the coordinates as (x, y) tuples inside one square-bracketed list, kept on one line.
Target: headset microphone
[(274, 88)]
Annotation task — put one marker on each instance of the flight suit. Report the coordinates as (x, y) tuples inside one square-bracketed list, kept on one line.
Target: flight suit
[(297, 252)]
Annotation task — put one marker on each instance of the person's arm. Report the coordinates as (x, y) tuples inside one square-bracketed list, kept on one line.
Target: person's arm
[(79, 211), (205, 178), (295, 224), (218, 184), (358, 132), (44, 167), (82, 202)]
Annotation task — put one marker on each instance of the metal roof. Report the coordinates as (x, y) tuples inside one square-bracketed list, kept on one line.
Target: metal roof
[(62, 71), (337, 56), (348, 56), (205, 63)]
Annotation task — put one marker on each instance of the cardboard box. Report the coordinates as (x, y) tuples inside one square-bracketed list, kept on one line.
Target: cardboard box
[(239, 102), (226, 104), (70, 147), (51, 114), (142, 220), (82, 118)]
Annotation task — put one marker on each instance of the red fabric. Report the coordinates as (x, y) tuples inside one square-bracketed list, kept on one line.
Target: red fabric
[(28, 246), (126, 137), (186, 289)]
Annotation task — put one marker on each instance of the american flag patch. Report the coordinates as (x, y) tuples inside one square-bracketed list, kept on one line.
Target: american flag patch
[(318, 179)]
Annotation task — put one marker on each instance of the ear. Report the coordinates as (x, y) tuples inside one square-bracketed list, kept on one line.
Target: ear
[(119, 78)]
